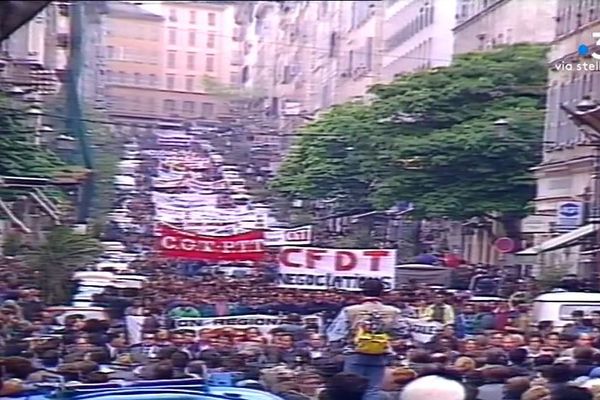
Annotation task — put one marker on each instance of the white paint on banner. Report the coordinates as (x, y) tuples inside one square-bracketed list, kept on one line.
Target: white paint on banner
[(286, 237), (264, 323), (423, 331)]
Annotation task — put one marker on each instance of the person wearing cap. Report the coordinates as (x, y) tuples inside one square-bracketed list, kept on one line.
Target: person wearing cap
[(345, 324)]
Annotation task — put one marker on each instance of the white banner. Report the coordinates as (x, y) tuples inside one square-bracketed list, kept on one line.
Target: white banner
[(423, 331), (346, 269), (282, 237), (263, 322)]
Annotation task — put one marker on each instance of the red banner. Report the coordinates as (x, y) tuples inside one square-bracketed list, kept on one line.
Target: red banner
[(175, 243)]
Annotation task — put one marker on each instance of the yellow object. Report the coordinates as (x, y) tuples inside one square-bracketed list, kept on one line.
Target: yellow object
[(370, 343)]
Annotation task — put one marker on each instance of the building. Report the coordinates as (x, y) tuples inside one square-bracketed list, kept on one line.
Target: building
[(200, 57), (33, 65), (131, 61), (482, 25), (485, 24), (417, 35), (566, 173), (361, 42)]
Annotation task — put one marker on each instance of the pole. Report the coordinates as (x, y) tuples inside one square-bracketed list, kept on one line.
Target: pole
[(75, 112), (595, 214)]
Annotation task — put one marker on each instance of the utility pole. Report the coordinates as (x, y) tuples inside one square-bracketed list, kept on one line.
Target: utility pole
[(75, 120)]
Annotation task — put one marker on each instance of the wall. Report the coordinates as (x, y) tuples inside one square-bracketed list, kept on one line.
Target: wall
[(417, 35), (507, 22)]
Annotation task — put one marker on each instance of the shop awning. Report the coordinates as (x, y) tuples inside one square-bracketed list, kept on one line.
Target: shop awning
[(558, 242)]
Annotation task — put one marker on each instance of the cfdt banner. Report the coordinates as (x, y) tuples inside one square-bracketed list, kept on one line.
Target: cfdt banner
[(346, 269), (175, 243), (282, 237)]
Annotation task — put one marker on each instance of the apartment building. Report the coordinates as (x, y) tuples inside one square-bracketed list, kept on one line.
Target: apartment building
[(566, 173), (132, 61), (200, 55), (485, 24), (361, 45), (417, 35)]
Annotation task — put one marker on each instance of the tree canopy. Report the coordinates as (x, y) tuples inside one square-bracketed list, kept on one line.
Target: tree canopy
[(429, 138), (55, 261), (18, 155)]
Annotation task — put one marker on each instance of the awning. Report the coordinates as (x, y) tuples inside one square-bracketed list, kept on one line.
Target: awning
[(560, 241)]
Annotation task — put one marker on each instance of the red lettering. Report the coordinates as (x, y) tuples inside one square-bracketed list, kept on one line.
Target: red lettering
[(284, 257), (313, 255), (376, 256), (345, 260)]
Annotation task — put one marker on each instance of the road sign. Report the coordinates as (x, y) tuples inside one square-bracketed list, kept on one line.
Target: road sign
[(505, 245), (569, 215)]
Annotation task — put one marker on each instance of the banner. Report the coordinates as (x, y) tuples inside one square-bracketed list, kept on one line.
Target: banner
[(282, 237), (264, 323), (346, 269), (423, 331), (174, 243)]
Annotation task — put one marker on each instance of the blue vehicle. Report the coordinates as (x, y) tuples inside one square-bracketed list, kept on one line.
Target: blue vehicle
[(183, 389)]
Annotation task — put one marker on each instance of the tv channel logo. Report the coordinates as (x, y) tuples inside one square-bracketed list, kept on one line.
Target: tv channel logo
[(584, 49)]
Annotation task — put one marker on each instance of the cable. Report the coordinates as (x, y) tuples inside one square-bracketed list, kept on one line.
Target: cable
[(325, 50)]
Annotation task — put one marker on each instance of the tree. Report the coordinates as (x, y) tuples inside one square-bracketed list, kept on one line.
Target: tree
[(428, 138), (18, 155), (108, 144), (55, 261)]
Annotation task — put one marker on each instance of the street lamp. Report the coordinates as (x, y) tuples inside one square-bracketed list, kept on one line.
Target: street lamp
[(501, 127)]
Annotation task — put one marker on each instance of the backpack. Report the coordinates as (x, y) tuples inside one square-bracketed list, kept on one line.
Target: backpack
[(369, 337)]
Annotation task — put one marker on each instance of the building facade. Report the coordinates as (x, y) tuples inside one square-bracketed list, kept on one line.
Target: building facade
[(567, 169), (200, 56), (132, 61), (485, 24), (417, 35)]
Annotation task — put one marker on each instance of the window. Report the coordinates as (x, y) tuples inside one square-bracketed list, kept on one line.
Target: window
[(150, 104), (168, 105), (152, 80), (173, 15), (234, 78), (208, 110), (369, 54), (122, 77), (189, 83), (170, 81), (210, 63), (171, 59), (192, 17), (110, 52), (192, 38), (191, 60), (109, 75), (137, 78), (210, 41), (212, 19), (172, 36), (188, 107)]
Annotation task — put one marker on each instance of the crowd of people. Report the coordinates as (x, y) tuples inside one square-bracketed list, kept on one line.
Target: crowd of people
[(480, 350)]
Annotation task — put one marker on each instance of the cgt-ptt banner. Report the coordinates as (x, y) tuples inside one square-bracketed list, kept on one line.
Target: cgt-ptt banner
[(346, 269), (175, 243)]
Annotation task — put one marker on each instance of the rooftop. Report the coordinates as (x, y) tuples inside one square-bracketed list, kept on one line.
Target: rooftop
[(129, 10)]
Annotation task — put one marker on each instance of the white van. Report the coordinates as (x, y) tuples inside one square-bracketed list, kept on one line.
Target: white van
[(558, 306)]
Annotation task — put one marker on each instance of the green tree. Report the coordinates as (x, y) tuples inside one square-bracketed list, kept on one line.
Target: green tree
[(108, 148), (428, 138), (55, 261), (18, 155)]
